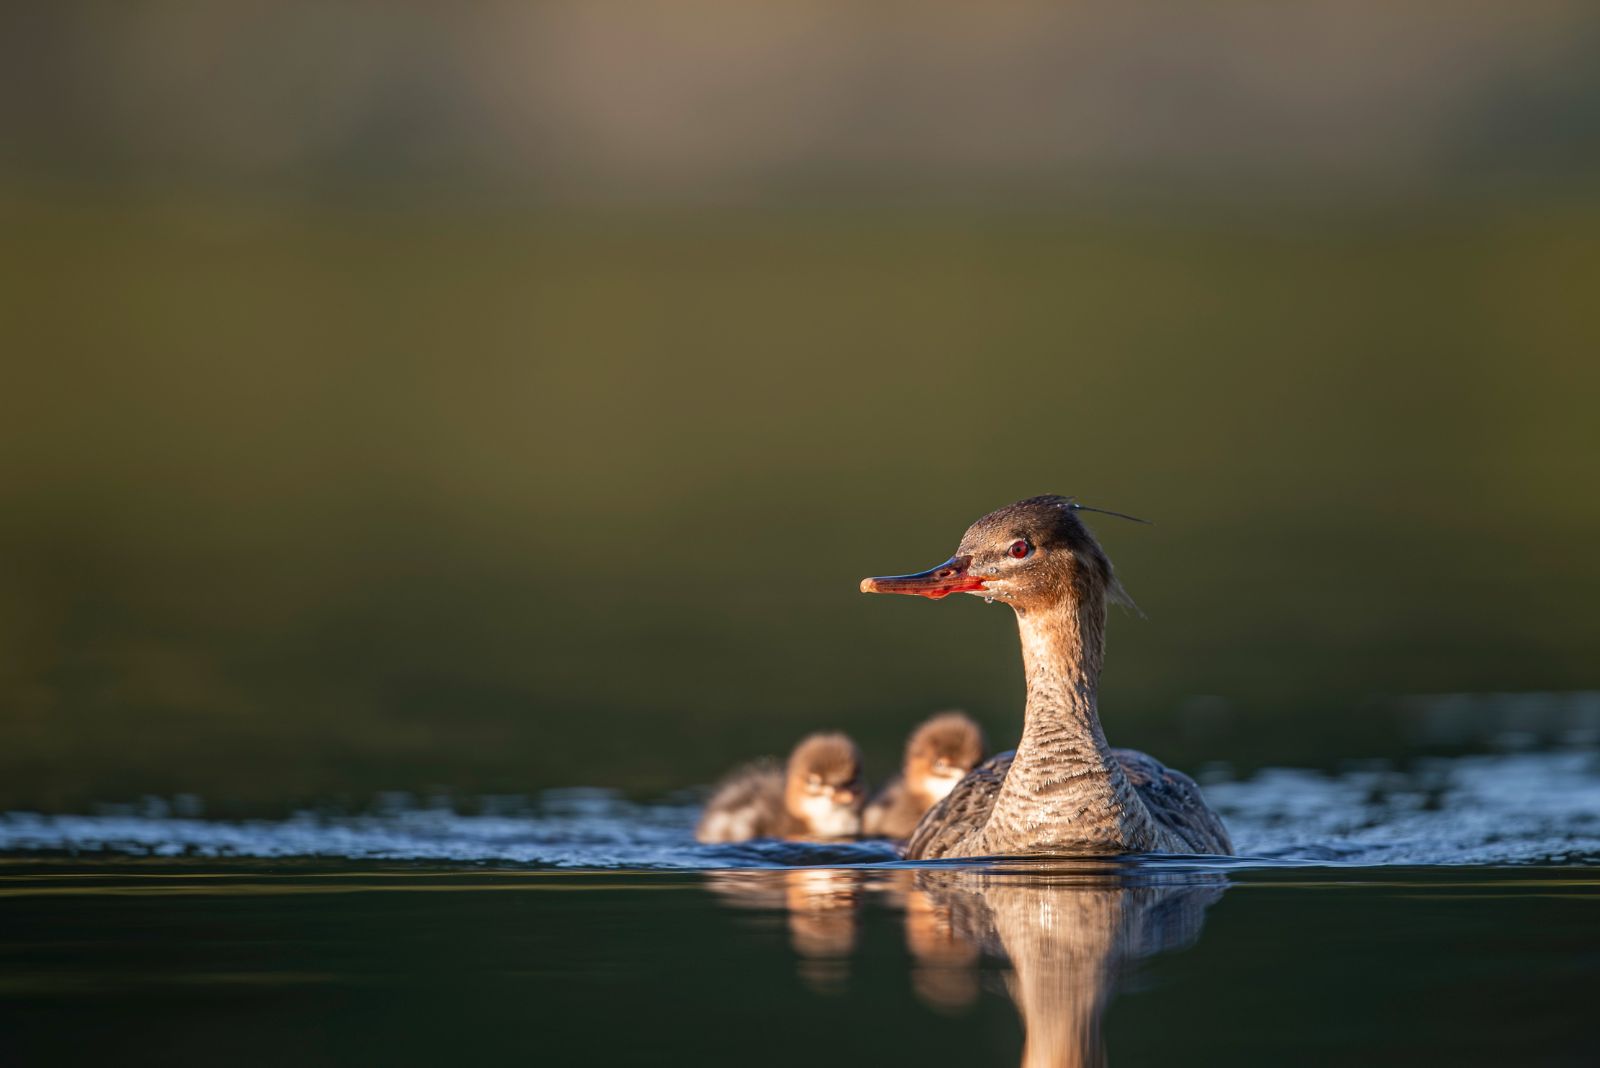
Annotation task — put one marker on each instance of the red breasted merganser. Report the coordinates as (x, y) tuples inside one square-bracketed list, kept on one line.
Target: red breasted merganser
[(939, 754), (818, 795), (1063, 790)]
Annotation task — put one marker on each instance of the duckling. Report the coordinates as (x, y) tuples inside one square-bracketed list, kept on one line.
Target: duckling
[(1063, 790), (939, 754), (819, 795)]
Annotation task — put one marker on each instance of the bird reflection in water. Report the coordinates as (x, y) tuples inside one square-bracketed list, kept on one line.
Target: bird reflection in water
[(1070, 931), (823, 909), (944, 965), (1067, 931)]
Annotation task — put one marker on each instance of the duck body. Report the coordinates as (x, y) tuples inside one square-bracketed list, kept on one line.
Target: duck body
[(1063, 790), (895, 811), (748, 804), (1179, 820)]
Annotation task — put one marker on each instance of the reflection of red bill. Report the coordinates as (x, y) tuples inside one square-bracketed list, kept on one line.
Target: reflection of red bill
[(952, 576)]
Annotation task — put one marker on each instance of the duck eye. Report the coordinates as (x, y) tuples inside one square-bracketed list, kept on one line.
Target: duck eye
[(1019, 549)]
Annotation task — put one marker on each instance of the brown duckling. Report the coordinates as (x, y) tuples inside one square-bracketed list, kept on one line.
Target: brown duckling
[(1064, 790), (818, 795), (939, 754)]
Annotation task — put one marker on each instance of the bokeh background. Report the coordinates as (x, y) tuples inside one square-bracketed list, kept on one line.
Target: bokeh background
[(485, 398)]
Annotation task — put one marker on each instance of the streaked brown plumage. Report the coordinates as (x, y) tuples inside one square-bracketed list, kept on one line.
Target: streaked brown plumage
[(939, 753), (1063, 790), (819, 794)]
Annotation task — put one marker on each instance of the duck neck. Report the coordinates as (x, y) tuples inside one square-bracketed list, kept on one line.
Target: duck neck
[(1062, 649), (1065, 789)]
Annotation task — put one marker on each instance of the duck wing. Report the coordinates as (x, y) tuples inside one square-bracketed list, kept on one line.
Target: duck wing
[(1175, 802), (747, 804), (962, 812), (877, 819)]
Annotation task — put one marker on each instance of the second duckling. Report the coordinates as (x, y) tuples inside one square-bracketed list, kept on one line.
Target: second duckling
[(939, 754)]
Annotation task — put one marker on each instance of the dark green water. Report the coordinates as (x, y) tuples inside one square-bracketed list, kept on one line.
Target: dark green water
[(316, 962)]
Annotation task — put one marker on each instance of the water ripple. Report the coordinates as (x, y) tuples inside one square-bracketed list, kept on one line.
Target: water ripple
[(1510, 809)]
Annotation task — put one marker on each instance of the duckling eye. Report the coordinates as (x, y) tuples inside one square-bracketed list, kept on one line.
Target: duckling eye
[(1019, 549)]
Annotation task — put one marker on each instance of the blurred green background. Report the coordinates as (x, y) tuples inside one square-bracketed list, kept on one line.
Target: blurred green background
[(494, 398)]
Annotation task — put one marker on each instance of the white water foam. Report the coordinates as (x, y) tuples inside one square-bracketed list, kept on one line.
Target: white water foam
[(1520, 808)]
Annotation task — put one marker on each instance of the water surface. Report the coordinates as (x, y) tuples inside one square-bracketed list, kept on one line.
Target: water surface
[(1448, 912), (322, 962)]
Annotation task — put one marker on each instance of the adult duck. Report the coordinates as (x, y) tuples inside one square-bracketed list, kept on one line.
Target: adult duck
[(1063, 790)]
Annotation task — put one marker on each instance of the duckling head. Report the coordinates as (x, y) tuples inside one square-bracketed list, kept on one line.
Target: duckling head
[(823, 788), (940, 752)]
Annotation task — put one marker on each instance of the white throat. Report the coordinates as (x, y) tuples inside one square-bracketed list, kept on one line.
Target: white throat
[(830, 820)]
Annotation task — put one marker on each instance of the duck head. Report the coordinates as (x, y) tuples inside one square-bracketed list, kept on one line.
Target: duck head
[(1034, 553), (823, 785)]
